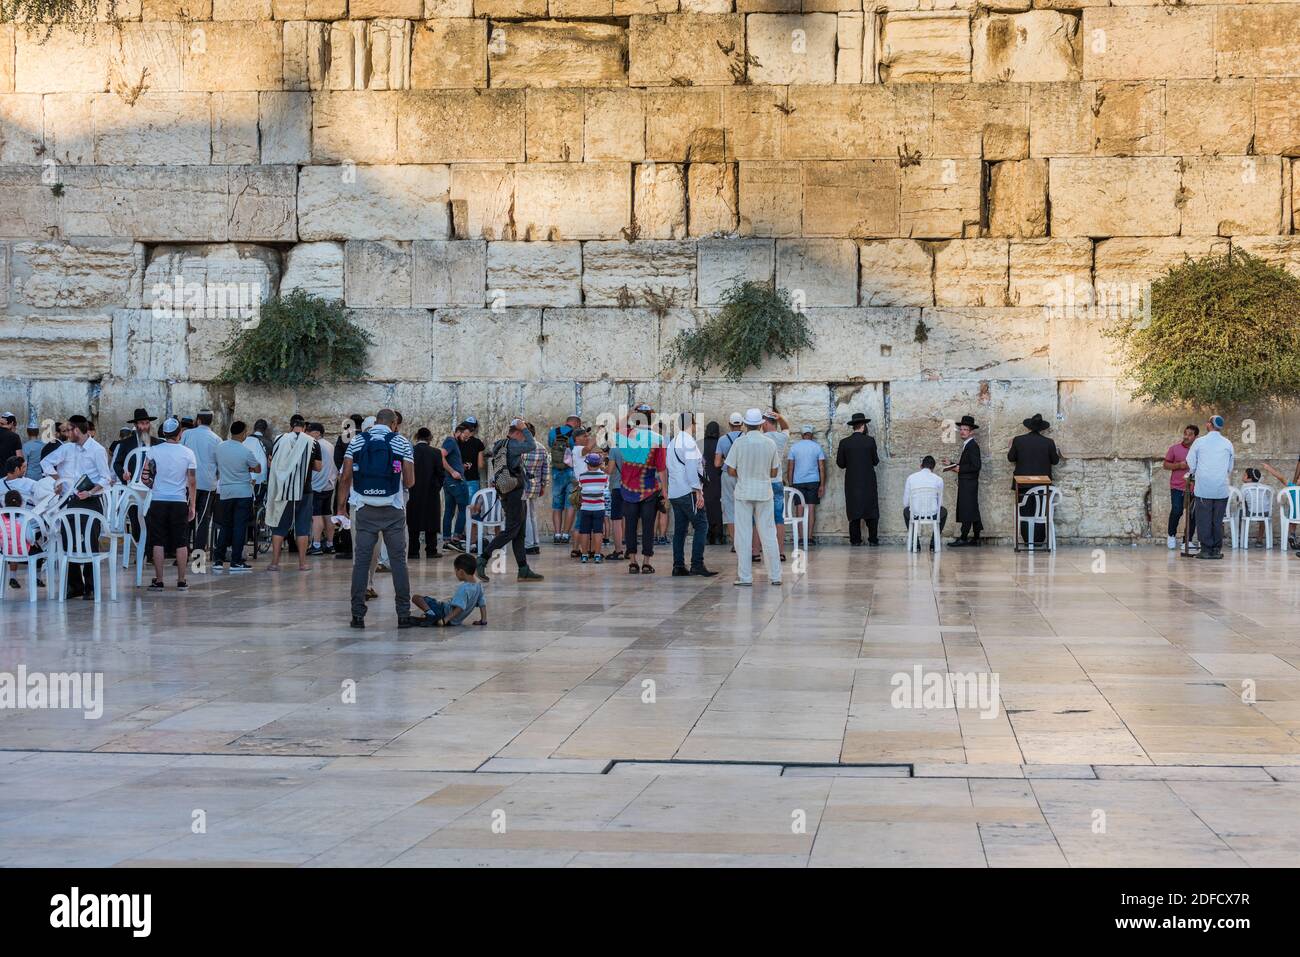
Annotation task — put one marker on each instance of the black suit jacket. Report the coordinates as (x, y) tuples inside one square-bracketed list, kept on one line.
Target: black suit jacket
[(1033, 454)]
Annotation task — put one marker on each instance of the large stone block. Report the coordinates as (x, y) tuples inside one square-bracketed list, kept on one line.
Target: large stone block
[(169, 129), (262, 204), (377, 274), (1105, 196), (925, 47), (858, 199), (401, 9), (1277, 116), (1042, 269), (940, 199), (487, 343), (1210, 116), (374, 202), (69, 60), (818, 272), (1148, 42), (449, 53), (58, 346), (449, 273), (1079, 346), (1130, 118), (723, 263), (557, 53), (1281, 251), (315, 268), (482, 201), (354, 126), (614, 128), (646, 273), (78, 274), (235, 140), (981, 120), (771, 198), (706, 49), (1037, 46), (20, 129), (462, 125), (6, 57), (69, 129), (306, 64), (534, 274), (895, 272), (577, 341), (714, 205), (1061, 119), (1233, 195), (1124, 263), (985, 343), (148, 55), (752, 118), (849, 53), (405, 343), (792, 48), (284, 127), (971, 272), (544, 194), (234, 56), (856, 345), (1018, 199), (554, 125), (1256, 40), (149, 344), (856, 122), (28, 208), (659, 197), (684, 126)]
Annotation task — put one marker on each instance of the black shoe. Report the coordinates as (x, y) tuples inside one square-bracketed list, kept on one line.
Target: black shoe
[(526, 574), (959, 543), (681, 571), (13, 583), (358, 622), (407, 622), (90, 595), (454, 545), (1204, 556), (481, 570), (857, 544), (874, 543), (182, 585), (702, 572), (535, 550), (433, 555)]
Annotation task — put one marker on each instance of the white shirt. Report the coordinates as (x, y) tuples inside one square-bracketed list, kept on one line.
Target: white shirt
[(324, 479), (1210, 461), (754, 456), (254, 445), (685, 465), (71, 461), (23, 486), (172, 464), (922, 479)]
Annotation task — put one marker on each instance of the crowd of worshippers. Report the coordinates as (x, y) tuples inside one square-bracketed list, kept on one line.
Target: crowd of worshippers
[(371, 495)]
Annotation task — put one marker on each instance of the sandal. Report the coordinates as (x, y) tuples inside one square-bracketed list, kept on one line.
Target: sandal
[(647, 568), (634, 569)]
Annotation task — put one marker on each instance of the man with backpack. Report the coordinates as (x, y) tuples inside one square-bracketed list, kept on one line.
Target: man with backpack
[(377, 466), (506, 473), (560, 441)]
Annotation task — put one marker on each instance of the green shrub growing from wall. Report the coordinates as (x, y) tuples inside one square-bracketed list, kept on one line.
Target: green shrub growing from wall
[(300, 340), (755, 321), (41, 16)]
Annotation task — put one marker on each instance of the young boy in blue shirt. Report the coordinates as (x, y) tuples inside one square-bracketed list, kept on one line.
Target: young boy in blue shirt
[(469, 595)]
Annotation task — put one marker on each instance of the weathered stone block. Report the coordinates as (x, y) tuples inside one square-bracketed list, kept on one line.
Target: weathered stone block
[(509, 9), (792, 48), (377, 274), (1037, 46), (241, 9), (28, 208), (818, 272), (1104, 196), (1256, 41), (374, 202), (284, 124), (147, 55), (315, 268), (262, 204), (684, 126), (1042, 269), (615, 126), (853, 345), (58, 346), (449, 273), (771, 198), (234, 129), (235, 56), (172, 10), (707, 49), (621, 273), (849, 36), (1232, 195), (1132, 264), (984, 343), (1210, 116), (6, 57), (544, 194), (752, 119), (20, 129), (981, 120), (167, 128), (1079, 346), (487, 343), (856, 199), (659, 197), (1061, 119), (1281, 251), (925, 47), (71, 60), (149, 344), (577, 341), (895, 272), (400, 9), (354, 127), (940, 199), (464, 125), (722, 263), (406, 341), (1130, 118), (449, 53), (78, 274), (306, 55), (482, 201), (534, 274), (1148, 43), (554, 125), (69, 128), (714, 203), (1018, 199), (1277, 116), (309, 9), (557, 53), (971, 272)]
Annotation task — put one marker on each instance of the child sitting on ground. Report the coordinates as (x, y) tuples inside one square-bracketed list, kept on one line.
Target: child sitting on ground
[(469, 595), (593, 483)]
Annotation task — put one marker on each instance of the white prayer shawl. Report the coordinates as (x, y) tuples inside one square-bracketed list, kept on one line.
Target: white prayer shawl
[(290, 460)]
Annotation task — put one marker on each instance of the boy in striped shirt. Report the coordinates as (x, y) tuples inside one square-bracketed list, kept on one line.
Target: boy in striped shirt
[(594, 484)]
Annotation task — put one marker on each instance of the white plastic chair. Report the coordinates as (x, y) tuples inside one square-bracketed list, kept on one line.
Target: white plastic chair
[(798, 525), (134, 463), (1043, 500), (76, 528), (1288, 513), (1232, 514), (487, 516), (14, 551), (1256, 508), (924, 507), (117, 500)]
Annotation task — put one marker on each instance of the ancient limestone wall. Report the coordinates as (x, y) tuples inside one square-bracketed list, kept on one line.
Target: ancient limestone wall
[(525, 200)]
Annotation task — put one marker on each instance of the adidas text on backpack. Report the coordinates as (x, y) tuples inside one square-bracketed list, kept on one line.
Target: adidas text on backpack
[(377, 469)]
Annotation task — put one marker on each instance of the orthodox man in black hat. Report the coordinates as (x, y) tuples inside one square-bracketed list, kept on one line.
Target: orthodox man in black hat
[(858, 457), (140, 438), (1033, 454), (967, 468)]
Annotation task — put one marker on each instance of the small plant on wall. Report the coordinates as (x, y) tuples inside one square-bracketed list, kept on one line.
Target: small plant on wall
[(754, 322), (1222, 330), (42, 16), (300, 340)]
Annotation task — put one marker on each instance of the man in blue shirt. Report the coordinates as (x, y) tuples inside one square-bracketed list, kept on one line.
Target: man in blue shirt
[(1210, 462), (203, 442), (455, 490), (806, 471)]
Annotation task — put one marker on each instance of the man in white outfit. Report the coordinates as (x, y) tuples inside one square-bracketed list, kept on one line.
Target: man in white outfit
[(754, 462)]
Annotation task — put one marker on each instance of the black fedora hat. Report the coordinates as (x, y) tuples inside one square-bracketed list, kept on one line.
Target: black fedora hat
[(858, 419), (1037, 423), (968, 421), (141, 415)]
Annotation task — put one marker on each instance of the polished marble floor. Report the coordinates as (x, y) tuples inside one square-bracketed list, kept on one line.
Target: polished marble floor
[(1145, 710)]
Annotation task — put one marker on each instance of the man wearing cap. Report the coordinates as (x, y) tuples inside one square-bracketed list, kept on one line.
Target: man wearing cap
[(967, 468), (858, 457), (471, 455), (560, 443), (755, 464), (735, 420), (170, 470), (806, 471), (203, 442), (10, 442), (686, 493), (80, 456), (1210, 462), (517, 443), (1033, 454)]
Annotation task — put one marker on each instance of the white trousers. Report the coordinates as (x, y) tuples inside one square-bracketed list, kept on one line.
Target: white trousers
[(749, 511)]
